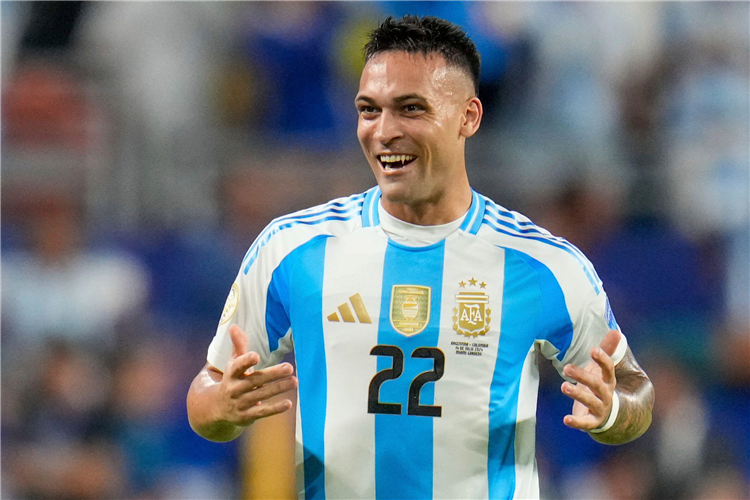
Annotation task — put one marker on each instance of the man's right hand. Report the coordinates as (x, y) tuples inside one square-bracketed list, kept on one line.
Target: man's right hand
[(220, 405), (245, 391)]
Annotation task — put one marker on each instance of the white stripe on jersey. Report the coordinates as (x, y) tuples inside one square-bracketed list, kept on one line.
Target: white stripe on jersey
[(299, 455), (527, 481), (350, 450), (462, 433)]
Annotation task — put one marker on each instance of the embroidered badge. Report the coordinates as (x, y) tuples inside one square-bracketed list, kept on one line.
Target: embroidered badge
[(231, 304), (471, 315), (410, 308)]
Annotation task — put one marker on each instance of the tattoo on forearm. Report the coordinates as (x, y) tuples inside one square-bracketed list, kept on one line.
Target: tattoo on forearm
[(636, 402)]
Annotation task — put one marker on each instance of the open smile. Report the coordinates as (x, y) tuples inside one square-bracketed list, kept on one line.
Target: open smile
[(394, 162)]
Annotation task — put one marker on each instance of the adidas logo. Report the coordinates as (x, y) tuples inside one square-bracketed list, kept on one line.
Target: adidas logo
[(345, 312)]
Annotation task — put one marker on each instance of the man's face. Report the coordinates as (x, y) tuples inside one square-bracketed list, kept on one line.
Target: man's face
[(413, 124)]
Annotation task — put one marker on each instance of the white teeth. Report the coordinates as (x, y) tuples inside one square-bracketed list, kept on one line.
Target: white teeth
[(395, 158)]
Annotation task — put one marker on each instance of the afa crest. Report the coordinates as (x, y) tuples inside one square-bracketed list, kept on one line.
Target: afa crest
[(472, 316), (410, 308)]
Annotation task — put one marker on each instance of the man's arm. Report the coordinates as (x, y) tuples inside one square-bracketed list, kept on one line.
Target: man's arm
[(594, 393), (636, 395), (220, 405)]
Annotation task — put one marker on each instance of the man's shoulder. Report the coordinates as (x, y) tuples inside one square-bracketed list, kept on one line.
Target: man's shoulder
[(514, 231), (288, 232), (502, 224), (344, 208)]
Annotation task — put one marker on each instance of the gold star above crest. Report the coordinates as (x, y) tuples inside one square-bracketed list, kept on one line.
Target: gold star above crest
[(462, 284), (483, 285), (473, 282)]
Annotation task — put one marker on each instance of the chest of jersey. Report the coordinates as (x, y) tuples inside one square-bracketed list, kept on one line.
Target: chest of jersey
[(404, 357)]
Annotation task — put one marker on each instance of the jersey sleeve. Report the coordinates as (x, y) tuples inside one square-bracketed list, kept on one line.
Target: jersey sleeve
[(253, 305), (590, 326), (585, 316)]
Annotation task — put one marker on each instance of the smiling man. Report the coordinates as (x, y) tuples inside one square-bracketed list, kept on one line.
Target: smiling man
[(417, 310)]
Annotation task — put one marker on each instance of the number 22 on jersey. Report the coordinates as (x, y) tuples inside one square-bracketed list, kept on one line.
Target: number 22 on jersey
[(374, 405)]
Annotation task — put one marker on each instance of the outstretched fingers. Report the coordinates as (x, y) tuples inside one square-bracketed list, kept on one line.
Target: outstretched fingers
[(581, 422), (265, 392), (593, 381), (238, 367), (582, 394), (605, 363), (249, 396), (265, 409), (270, 374)]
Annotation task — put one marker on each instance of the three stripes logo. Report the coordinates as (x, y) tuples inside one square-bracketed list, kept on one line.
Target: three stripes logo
[(345, 314)]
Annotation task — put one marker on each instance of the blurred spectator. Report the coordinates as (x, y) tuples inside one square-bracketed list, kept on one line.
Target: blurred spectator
[(679, 432), (292, 56), (59, 430), (161, 458), (44, 106), (193, 268), (67, 401), (622, 475), (724, 483), (62, 472), (51, 27), (496, 47), (59, 286), (656, 279)]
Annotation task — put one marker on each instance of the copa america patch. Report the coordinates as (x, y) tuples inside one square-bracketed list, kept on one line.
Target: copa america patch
[(231, 304), (609, 316)]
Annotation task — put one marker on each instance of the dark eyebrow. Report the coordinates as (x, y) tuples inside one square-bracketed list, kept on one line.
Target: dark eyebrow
[(408, 97), (397, 100), (368, 100)]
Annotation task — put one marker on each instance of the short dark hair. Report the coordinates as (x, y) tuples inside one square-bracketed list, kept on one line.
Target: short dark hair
[(425, 35)]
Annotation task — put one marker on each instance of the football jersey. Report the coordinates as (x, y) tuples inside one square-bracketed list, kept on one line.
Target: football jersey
[(416, 362)]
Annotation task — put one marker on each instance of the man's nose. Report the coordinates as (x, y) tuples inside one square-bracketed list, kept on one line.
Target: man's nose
[(388, 128)]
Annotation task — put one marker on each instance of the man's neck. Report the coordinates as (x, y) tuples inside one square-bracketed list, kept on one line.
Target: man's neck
[(445, 209)]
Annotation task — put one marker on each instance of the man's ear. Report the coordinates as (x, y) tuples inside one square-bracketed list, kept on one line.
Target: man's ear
[(472, 117)]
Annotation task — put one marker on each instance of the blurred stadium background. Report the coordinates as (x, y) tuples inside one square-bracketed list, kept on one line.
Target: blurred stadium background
[(144, 145)]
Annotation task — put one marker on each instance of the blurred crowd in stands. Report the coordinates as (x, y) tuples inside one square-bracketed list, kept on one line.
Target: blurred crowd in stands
[(145, 145)]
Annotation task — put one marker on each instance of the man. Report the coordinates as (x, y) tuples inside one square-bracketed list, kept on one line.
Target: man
[(417, 309)]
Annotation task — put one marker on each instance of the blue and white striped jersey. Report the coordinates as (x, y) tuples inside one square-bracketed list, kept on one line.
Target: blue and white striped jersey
[(416, 364)]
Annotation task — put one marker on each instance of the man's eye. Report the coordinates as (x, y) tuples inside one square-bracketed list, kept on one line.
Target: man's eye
[(412, 108), (366, 109)]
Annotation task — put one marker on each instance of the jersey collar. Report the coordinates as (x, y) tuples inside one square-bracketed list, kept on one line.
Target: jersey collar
[(471, 223)]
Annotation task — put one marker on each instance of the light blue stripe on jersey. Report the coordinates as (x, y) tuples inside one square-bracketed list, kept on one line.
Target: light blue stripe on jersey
[(278, 298), (471, 214), (521, 308), (473, 220), (499, 213), (533, 309), (345, 210), (403, 443), (555, 324), (495, 223), (370, 215), (306, 308)]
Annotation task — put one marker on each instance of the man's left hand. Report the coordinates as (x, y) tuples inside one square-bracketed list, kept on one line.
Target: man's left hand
[(595, 387)]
